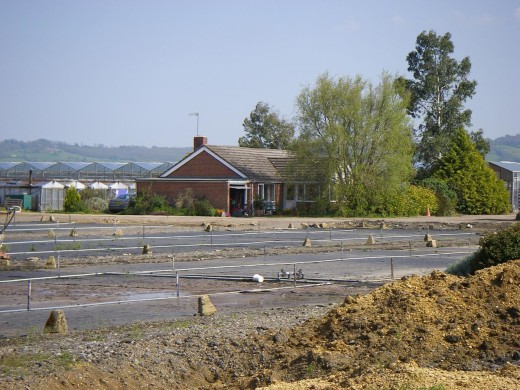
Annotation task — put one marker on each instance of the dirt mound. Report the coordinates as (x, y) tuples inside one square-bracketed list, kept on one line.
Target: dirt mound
[(438, 330), (438, 322)]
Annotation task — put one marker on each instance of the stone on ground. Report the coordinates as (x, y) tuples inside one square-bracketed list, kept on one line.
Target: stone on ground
[(147, 250), (432, 244), (51, 262), (307, 242), (371, 240), (57, 323), (206, 308)]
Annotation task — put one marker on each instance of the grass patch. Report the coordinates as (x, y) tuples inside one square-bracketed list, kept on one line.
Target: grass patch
[(20, 364), (68, 246)]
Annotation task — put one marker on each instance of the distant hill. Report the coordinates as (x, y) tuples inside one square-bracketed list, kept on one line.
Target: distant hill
[(505, 148), (51, 151)]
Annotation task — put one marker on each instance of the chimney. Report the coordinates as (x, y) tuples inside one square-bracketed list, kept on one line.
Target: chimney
[(199, 141)]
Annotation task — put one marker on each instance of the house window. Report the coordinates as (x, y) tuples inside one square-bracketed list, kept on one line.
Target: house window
[(300, 192), (260, 193), (291, 192), (269, 192)]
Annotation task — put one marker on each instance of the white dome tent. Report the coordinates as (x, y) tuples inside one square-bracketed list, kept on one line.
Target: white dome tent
[(97, 185)]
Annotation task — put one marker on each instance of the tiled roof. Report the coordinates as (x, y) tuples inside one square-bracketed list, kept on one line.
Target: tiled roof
[(256, 164)]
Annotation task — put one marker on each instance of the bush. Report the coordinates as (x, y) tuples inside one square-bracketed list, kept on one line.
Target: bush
[(185, 200), (96, 205), (202, 207), (72, 202), (447, 197), (494, 249), (147, 203)]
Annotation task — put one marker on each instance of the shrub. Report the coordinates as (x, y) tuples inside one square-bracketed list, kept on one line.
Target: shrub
[(147, 203), (185, 200), (447, 197), (95, 204), (202, 207), (494, 249), (72, 202)]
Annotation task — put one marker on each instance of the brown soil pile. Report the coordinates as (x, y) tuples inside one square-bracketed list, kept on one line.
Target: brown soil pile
[(439, 330), (438, 322)]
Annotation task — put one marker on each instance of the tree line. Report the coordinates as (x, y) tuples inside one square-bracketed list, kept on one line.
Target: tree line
[(400, 146)]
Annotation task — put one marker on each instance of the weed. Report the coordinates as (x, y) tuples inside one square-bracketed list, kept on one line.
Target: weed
[(32, 248), (68, 246), (311, 368), (66, 360), (19, 364)]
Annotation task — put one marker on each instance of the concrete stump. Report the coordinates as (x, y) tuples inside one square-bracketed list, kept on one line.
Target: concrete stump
[(307, 242), (147, 250), (207, 227), (291, 226), (74, 233), (118, 233), (57, 323), (51, 263), (51, 234), (371, 240), (206, 308), (324, 225), (52, 218), (432, 244), (428, 237), (305, 225)]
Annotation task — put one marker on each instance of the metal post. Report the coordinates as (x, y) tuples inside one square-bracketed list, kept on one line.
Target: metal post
[(173, 261), (273, 234), (143, 231), (294, 274), (265, 256), (29, 288), (177, 282), (342, 257), (391, 268), (410, 242), (330, 234), (58, 266), (211, 234)]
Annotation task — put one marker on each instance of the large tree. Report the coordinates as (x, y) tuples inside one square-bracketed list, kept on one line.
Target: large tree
[(355, 139), (478, 189), (265, 129), (438, 90)]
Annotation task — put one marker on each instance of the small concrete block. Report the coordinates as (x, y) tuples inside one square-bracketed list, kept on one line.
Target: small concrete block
[(428, 237), (57, 323), (51, 263), (371, 240), (147, 250), (432, 244), (51, 234), (206, 308), (118, 233), (307, 242)]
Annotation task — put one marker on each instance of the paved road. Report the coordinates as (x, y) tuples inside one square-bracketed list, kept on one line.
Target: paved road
[(352, 271), (44, 239)]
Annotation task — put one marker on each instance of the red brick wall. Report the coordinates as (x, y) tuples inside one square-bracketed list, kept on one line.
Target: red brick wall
[(204, 166), (216, 192)]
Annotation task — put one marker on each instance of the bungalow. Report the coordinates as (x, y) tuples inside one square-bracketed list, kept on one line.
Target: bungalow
[(231, 178)]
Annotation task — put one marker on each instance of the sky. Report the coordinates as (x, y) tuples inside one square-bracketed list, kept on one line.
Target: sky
[(129, 72)]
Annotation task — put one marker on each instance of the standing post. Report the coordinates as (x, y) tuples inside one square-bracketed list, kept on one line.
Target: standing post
[(294, 274), (330, 234), (342, 257), (143, 232), (173, 261), (273, 234), (177, 282), (29, 288), (211, 235), (58, 266), (410, 242), (391, 268)]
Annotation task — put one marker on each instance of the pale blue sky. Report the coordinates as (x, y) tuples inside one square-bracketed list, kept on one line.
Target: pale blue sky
[(128, 72)]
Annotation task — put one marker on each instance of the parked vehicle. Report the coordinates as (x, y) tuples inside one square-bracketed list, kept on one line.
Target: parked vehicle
[(120, 202)]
